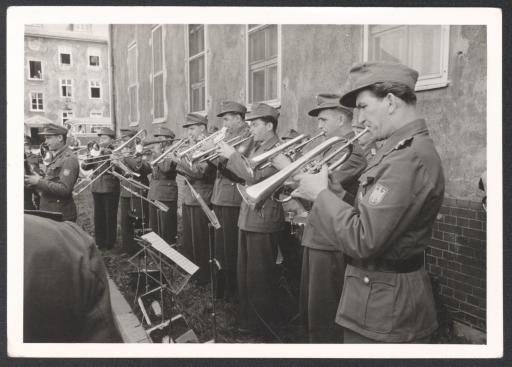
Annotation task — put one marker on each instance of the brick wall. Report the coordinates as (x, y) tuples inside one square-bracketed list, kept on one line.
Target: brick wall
[(456, 261)]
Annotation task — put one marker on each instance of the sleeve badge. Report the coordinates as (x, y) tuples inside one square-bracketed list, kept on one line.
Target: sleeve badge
[(378, 193)]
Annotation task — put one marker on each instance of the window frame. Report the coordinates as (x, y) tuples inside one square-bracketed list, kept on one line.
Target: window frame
[(424, 82), (94, 52), (28, 69), (188, 59), (71, 86), (95, 112), (136, 84), (90, 89), (62, 112), (64, 50), (153, 75), (30, 101), (272, 102)]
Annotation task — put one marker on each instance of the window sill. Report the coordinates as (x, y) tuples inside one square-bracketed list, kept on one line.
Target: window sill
[(136, 123), (431, 85), (36, 79), (36, 110), (159, 120), (276, 103)]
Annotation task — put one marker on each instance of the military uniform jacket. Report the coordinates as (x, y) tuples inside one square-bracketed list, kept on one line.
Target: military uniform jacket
[(106, 183), (201, 176), (56, 188), (143, 169), (343, 182), (66, 293), (270, 218), (225, 192), (399, 196), (163, 182)]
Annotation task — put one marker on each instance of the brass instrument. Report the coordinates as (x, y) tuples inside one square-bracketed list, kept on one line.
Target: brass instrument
[(46, 154), (173, 148), (214, 138), (295, 149), (156, 203), (264, 157), (156, 141), (210, 154), (256, 194)]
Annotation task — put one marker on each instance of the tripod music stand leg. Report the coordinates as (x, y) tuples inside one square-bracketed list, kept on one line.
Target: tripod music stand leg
[(212, 279)]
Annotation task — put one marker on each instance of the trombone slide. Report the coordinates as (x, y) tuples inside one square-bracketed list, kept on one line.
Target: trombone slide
[(156, 203)]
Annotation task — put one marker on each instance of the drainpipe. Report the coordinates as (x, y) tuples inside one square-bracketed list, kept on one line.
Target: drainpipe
[(113, 106)]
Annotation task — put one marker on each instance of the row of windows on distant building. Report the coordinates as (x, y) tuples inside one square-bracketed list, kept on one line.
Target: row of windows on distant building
[(35, 66), (424, 48), (65, 91)]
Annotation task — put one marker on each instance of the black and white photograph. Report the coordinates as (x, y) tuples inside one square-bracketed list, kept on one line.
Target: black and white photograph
[(320, 179)]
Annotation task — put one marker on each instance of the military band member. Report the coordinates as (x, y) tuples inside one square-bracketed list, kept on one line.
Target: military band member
[(260, 229), (195, 223), (66, 293), (32, 164), (105, 193), (387, 295), (226, 202), (321, 288), (163, 188), (56, 188)]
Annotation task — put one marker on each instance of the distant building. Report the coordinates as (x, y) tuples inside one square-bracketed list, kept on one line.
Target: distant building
[(162, 72), (66, 72)]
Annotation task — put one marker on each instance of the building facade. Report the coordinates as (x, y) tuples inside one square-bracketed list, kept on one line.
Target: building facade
[(66, 72), (162, 72)]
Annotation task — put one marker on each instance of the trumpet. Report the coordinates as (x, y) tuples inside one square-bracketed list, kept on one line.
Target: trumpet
[(263, 158), (173, 148), (256, 194), (294, 149), (214, 138), (210, 154)]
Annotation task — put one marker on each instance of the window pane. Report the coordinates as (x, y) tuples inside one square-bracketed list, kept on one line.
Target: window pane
[(35, 70), (65, 59), (132, 65), (158, 93), (197, 70), (272, 82), (258, 85), (388, 45), (157, 49), (257, 46), (133, 103), (424, 50), (95, 92), (196, 39), (94, 60), (197, 98), (272, 40)]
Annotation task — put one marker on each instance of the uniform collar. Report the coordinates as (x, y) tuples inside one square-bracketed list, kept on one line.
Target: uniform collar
[(407, 131), (269, 143), (239, 129), (60, 151)]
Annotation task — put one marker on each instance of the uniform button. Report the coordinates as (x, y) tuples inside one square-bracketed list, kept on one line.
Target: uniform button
[(366, 280)]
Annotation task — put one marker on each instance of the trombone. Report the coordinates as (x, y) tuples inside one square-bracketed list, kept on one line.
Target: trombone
[(211, 154), (173, 148), (256, 194), (214, 138)]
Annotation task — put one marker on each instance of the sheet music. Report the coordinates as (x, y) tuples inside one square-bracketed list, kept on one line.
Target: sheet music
[(165, 249)]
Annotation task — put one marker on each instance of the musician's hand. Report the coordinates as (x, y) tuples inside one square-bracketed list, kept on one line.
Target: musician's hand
[(225, 150), (32, 180), (310, 185), (295, 207), (280, 161)]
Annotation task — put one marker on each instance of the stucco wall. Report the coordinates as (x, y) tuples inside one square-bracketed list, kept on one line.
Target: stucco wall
[(47, 50)]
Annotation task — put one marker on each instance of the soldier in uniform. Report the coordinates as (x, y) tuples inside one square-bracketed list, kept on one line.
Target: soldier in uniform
[(163, 188), (32, 164), (105, 193), (260, 228), (321, 288), (195, 223), (66, 293), (56, 188), (226, 203), (387, 295)]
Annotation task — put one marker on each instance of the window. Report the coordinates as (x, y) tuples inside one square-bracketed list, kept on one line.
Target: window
[(65, 56), (35, 70), (66, 88), (93, 56), (263, 61), (82, 27), (133, 87), (95, 89), (196, 67), (422, 47), (158, 74), (66, 115), (36, 101), (96, 114)]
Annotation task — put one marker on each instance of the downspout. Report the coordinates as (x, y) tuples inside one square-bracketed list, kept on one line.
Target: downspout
[(113, 106)]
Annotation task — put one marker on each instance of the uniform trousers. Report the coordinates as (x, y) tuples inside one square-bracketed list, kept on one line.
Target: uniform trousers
[(128, 244), (226, 248), (351, 337), (195, 240), (105, 218), (321, 285), (257, 278), (164, 223)]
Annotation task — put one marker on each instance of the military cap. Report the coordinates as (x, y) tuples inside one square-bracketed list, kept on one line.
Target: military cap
[(53, 129), (107, 131), (195, 119), (164, 131), (127, 132), (362, 75), (230, 106), (292, 133), (262, 110), (327, 101)]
